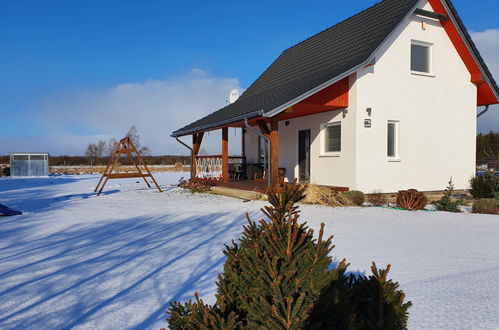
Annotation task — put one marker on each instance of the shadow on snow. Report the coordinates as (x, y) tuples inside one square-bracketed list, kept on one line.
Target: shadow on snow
[(85, 272)]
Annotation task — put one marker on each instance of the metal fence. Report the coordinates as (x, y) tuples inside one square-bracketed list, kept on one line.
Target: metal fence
[(29, 164)]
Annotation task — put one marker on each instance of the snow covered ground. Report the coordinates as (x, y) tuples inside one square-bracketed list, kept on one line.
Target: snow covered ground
[(75, 260)]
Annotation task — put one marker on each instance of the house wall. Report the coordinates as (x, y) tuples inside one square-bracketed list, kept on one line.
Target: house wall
[(436, 114), (334, 170)]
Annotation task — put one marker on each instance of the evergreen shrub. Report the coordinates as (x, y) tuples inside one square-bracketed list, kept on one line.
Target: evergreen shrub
[(484, 186), (486, 206), (279, 276), (446, 203)]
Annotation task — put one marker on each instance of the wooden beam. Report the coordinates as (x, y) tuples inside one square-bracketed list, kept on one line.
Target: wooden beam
[(110, 165), (274, 150), (263, 127), (225, 154), (126, 175), (197, 138), (125, 146), (196, 142)]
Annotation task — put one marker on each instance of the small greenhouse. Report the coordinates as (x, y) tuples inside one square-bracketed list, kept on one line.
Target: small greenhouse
[(29, 164)]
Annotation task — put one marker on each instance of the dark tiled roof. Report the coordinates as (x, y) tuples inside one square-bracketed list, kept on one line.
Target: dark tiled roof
[(313, 62)]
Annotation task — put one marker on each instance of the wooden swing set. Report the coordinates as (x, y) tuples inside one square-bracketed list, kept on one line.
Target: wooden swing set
[(125, 147)]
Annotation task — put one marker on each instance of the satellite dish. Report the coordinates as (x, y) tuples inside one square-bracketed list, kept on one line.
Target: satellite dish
[(233, 96)]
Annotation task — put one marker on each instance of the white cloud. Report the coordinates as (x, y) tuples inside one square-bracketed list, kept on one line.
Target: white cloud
[(155, 107), (488, 43)]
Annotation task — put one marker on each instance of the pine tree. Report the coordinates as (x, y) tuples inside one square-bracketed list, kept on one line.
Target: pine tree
[(378, 303), (278, 276), (274, 276), (446, 203)]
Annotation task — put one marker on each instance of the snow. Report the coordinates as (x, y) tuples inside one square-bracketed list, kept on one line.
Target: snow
[(75, 260)]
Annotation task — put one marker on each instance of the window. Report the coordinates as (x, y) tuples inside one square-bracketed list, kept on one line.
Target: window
[(392, 149), (332, 137), (421, 57)]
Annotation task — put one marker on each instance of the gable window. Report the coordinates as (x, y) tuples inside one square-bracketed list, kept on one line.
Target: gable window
[(332, 137), (392, 138), (421, 53)]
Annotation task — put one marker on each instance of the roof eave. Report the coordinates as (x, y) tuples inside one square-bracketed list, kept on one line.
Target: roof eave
[(222, 123), (472, 49)]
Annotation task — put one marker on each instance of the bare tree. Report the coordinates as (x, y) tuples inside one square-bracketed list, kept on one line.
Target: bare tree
[(133, 134), (100, 148), (111, 144), (91, 153), (145, 151)]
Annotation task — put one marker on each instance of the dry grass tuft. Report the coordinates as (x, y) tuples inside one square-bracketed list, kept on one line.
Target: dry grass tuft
[(321, 195), (377, 198)]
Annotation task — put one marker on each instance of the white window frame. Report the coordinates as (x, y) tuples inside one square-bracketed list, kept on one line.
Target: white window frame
[(325, 153), (396, 157), (431, 60)]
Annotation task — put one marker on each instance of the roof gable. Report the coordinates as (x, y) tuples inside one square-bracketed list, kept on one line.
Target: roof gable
[(312, 63), (323, 59), (488, 91)]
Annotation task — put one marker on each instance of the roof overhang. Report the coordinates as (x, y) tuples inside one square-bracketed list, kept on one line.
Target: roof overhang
[(219, 124), (446, 14), (488, 91)]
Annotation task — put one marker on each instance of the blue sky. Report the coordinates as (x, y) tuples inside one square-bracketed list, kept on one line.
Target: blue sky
[(55, 56)]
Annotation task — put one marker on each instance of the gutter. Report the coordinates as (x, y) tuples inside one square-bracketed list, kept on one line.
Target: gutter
[(267, 144), (484, 111), (192, 155)]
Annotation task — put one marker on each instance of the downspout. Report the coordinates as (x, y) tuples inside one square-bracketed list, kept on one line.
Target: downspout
[(267, 143), (484, 111), (192, 154)]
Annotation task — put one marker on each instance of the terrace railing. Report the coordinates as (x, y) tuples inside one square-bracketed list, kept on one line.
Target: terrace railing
[(211, 167)]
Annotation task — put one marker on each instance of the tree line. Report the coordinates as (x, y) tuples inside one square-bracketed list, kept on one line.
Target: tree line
[(487, 147)]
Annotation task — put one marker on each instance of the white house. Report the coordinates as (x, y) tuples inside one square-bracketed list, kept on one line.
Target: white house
[(386, 100)]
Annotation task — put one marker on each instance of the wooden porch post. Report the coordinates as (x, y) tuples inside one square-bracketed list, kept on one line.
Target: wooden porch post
[(274, 150), (225, 154), (196, 146)]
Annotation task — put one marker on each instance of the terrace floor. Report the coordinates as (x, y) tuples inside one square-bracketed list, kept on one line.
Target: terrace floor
[(259, 186)]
